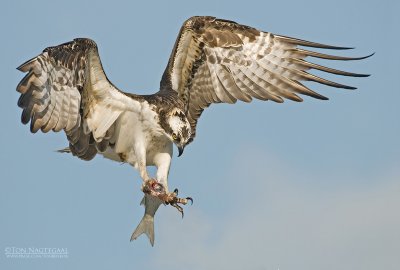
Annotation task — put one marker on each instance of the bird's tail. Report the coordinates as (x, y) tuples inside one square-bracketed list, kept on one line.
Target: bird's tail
[(64, 150), (146, 226)]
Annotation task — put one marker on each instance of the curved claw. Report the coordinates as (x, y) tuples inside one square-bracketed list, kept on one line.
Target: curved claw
[(180, 209), (190, 199)]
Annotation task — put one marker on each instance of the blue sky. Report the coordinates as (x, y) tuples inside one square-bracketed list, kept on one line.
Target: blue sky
[(313, 185)]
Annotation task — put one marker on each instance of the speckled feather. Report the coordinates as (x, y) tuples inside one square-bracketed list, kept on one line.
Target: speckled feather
[(216, 61), (213, 61)]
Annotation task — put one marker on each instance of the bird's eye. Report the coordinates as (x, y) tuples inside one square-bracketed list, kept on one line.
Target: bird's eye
[(174, 137)]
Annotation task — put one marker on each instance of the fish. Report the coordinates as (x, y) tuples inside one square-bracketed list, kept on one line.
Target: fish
[(155, 194), (146, 225)]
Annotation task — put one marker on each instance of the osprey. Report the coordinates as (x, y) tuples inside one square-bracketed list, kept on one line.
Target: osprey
[(213, 61)]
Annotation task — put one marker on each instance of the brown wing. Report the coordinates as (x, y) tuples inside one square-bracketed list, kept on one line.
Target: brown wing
[(216, 61), (67, 89)]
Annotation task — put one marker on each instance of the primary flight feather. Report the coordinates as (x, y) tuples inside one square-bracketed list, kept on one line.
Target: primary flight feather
[(213, 61)]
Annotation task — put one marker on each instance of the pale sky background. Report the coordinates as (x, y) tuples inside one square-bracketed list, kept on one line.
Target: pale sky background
[(290, 186)]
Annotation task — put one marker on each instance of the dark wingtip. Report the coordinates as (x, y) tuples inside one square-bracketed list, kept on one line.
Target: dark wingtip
[(363, 57), (306, 43), (341, 48), (25, 117), (331, 47), (323, 98), (19, 68), (369, 55), (362, 75), (24, 66)]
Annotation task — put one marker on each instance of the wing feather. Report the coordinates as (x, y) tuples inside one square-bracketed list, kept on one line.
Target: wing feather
[(66, 89), (219, 89), (228, 81), (216, 60)]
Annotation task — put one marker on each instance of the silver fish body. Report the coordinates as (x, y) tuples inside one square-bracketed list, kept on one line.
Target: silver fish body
[(146, 225)]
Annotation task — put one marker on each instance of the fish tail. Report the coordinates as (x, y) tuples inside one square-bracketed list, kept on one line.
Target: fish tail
[(146, 226)]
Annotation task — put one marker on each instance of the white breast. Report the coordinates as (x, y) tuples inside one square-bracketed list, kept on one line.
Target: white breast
[(135, 134)]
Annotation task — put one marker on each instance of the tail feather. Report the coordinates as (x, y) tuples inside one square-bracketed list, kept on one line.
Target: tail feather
[(146, 226), (64, 150)]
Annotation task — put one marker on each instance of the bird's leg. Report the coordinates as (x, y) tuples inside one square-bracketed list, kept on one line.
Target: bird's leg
[(142, 167), (156, 189), (159, 187)]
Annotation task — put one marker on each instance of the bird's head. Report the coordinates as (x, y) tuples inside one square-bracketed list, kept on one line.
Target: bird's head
[(177, 129)]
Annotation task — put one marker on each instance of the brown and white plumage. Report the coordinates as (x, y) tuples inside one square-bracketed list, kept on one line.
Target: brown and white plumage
[(213, 61), (66, 89), (217, 61)]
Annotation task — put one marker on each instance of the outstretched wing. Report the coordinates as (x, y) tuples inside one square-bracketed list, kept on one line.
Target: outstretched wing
[(216, 61), (66, 89)]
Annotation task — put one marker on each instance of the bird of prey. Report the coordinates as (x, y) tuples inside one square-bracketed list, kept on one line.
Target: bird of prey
[(213, 61)]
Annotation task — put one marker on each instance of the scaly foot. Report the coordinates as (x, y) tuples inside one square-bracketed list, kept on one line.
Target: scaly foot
[(156, 189)]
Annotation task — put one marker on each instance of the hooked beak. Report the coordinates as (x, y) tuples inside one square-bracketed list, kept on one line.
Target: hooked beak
[(180, 148)]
